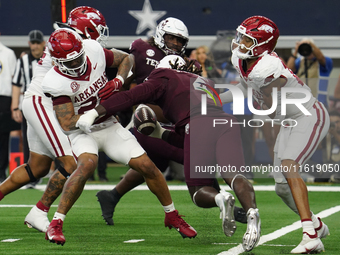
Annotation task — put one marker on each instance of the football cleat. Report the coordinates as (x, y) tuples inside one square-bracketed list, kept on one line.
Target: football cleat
[(322, 230), (107, 204), (37, 219), (240, 215), (174, 220), (54, 232), (309, 245), (253, 233), (227, 213)]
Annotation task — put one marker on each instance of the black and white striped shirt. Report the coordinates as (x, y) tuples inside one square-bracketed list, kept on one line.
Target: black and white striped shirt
[(24, 71)]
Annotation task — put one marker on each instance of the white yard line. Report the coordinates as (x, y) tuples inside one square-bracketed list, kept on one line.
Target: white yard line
[(184, 187), (280, 232)]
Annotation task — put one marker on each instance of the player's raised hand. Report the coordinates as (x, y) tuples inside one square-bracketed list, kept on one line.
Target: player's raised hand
[(86, 120)]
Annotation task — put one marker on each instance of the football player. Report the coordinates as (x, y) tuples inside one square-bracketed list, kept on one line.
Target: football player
[(170, 86), (46, 140), (74, 86), (263, 71), (171, 37)]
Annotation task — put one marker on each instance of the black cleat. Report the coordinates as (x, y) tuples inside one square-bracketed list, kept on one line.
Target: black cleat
[(107, 204), (240, 215)]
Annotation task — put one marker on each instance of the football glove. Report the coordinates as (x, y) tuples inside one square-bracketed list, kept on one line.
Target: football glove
[(86, 120), (110, 87)]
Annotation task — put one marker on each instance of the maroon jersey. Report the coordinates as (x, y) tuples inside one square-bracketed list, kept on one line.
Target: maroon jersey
[(174, 91), (146, 58)]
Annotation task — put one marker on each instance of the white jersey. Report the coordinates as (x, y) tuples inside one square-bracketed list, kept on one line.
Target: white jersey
[(267, 69), (117, 142), (297, 142), (43, 66), (43, 132), (83, 91)]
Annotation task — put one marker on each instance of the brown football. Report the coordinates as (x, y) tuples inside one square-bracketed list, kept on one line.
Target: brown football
[(144, 120)]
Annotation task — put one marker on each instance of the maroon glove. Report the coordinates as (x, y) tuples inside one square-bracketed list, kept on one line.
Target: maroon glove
[(110, 87)]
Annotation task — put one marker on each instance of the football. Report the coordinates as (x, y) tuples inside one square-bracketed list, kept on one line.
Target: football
[(144, 119)]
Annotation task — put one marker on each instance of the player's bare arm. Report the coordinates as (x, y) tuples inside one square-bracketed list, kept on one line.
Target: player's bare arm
[(267, 93), (66, 117), (123, 61)]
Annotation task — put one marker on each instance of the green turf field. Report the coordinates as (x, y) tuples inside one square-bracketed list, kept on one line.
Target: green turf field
[(140, 217)]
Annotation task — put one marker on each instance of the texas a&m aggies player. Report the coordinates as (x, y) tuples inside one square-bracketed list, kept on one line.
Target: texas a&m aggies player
[(46, 140), (175, 91), (171, 37), (262, 70), (73, 84)]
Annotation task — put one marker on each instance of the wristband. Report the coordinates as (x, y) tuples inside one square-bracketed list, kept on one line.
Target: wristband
[(293, 56), (16, 109), (120, 78)]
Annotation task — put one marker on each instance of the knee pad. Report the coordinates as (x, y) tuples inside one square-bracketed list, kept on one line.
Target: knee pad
[(30, 174), (63, 171)]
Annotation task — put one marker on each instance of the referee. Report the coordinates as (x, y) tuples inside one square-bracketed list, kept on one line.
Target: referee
[(22, 77)]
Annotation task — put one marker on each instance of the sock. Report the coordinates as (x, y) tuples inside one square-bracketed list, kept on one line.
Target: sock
[(58, 216), (219, 200), (42, 207), (116, 195), (169, 208), (1, 196), (316, 222), (307, 227)]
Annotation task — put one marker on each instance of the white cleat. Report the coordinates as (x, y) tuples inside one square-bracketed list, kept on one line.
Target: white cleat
[(37, 219), (322, 230), (227, 213), (309, 245), (253, 233)]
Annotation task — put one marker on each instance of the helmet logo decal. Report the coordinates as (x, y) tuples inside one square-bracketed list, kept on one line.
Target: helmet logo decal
[(266, 28), (75, 86), (150, 52), (92, 15)]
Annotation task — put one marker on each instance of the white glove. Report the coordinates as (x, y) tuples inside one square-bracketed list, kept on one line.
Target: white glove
[(158, 132), (86, 120)]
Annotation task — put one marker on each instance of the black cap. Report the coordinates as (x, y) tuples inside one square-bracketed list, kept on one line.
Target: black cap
[(36, 36)]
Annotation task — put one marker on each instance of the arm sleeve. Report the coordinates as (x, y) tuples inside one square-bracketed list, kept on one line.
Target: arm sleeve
[(173, 138), (17, 79), (143, 93), (108, 57), (61, 100)]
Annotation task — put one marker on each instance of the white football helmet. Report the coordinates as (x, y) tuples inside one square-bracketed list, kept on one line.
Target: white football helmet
[(165, 62), (171, 26)]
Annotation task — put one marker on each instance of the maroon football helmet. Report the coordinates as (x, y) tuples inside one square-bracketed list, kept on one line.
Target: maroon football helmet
[(67, 52), (262, 31), (90, 23)]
